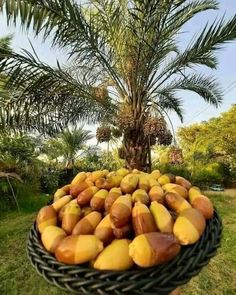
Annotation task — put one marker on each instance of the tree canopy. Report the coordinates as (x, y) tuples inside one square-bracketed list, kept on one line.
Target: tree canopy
[(219, 133), (211, 141), (124, 66), (128, 45)]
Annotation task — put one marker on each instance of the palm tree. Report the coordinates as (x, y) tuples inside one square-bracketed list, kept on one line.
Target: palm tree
[(125, 64), (68, 144)]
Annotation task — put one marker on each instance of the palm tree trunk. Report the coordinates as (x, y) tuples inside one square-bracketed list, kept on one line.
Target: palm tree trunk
[(136, 150)]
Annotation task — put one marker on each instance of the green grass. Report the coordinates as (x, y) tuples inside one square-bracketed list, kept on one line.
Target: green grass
[(28, 201), (34, 202), (18, 277), (219, 277)]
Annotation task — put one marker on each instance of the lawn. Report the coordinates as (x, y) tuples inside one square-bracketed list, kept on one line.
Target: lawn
[(18, 277)]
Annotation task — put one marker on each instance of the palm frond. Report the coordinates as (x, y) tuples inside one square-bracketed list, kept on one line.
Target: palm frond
[(66, 21), (17, 119), (206, 87), (131, 44), (28, 73), (70, 141), (155, 25), (202, 49), (169, 101), (41, 91), (57, 113), (75, 138), (183, 12), (5, 42)]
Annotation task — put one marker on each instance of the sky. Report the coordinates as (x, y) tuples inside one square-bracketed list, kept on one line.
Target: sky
[(195, 109)]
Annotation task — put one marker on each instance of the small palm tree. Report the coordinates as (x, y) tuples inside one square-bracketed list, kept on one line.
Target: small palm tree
[(124, 68), (69, 143)]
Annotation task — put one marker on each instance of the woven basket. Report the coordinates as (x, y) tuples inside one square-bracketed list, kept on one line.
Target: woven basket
[(81, 279)]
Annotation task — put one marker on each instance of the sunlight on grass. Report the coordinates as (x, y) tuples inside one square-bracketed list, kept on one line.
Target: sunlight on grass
[(219, 277)]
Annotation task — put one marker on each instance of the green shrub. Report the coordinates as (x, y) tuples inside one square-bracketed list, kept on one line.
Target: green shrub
[(66, 176), (6, 199), (206, 177), (49, 180), (200, 176), (94, 162), (34, 202), (179, 170), (23, 193)]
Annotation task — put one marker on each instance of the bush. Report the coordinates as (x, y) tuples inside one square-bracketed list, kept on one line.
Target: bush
[(206, 177), (66, 176), (179, 170), (56, 177), (94, 162), (89, 163), (202, 177), (49, 180), (22, 191), (6, 200), (29, 197)]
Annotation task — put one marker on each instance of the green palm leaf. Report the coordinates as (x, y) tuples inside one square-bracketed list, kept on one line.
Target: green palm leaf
[(119, 53), (68, 144), (206, 87)]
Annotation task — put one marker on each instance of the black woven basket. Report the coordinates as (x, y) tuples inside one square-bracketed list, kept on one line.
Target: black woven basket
[(81, 279)]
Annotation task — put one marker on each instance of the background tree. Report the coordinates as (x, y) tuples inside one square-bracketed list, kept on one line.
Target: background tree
[(69, 144), (17, 153), (211, 143), (125, 64), (20, 169)]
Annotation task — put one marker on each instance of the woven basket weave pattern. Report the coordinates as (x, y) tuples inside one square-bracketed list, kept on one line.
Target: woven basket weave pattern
[(81, 279)]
